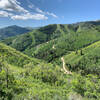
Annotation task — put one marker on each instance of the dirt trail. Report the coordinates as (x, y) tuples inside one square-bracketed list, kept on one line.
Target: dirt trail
[(65, 70), (53, 47)]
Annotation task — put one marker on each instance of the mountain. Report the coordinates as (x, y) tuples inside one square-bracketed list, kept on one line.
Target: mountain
[(64, 37), (55, 62), (12, 31), (31, 39), (31, 28)]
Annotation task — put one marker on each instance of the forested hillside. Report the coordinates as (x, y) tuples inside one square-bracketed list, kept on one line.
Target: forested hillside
[(23, 80), (12, 31), (85, 60), (55, 62), (65, 38)]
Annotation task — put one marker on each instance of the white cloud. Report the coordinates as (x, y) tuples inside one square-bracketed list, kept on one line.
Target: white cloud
[(9, 8), (5, 14), (30, 16), (12, 5), (30, 4), (40, 11), (52, 14), (46, 13)]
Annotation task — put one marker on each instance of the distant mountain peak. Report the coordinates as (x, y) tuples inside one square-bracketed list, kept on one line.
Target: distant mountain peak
[(13, 30)]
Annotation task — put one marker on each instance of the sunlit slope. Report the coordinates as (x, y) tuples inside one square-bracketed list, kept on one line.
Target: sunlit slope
[(86, 59), (13, 57)]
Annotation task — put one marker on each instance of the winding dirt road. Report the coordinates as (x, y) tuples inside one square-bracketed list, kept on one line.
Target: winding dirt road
[(65, 70)]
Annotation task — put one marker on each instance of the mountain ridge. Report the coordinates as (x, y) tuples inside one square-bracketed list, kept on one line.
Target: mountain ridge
[(55, 62), (13, 30), (75, 35)]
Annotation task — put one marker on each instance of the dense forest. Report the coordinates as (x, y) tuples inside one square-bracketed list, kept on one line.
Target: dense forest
[(54, 62)]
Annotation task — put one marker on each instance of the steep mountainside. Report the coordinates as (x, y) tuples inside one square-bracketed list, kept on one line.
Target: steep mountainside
[(22, 77), (65, 38), (12, 31), (85, 60), (73, 71), (13, 57), (32, 39)]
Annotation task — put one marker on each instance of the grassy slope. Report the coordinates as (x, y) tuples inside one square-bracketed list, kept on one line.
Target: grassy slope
[(46, 82), (14, 57), (88, 61)]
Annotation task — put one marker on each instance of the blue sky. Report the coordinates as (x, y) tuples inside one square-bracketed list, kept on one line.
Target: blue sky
[(34, 13)]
